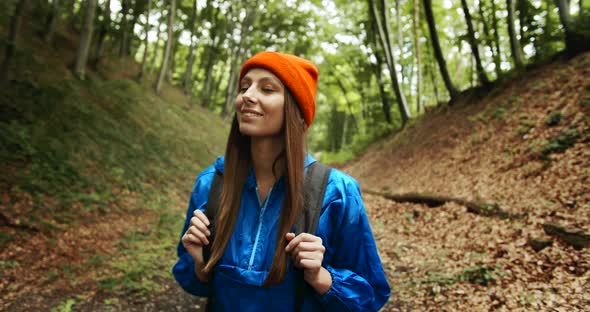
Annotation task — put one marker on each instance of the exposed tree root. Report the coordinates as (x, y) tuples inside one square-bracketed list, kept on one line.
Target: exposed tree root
[(575, 237), (431, 200)]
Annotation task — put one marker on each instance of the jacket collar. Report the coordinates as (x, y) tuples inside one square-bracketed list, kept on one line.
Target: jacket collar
[(251, 180)]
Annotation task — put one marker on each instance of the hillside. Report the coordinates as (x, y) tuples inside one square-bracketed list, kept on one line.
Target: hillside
[(95, 177), (525, 149)]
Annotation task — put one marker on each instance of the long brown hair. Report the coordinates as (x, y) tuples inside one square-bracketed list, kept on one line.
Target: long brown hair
[(236, 169)]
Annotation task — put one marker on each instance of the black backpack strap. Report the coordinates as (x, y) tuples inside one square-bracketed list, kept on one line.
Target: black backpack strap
[(213, 200), (314, 188), (211, 210)]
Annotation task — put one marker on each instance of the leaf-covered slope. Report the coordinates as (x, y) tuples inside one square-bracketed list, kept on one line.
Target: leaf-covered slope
[(525, 146)]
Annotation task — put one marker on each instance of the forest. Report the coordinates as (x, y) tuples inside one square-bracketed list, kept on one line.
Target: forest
[(111, 107)]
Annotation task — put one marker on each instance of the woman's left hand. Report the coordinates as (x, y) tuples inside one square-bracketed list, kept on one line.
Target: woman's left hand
[(307, 252)]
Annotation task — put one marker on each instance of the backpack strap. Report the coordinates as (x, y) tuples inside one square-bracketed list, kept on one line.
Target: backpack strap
[(314, 188), (211, 210)]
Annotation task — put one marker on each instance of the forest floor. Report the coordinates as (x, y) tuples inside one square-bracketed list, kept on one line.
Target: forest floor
[(525, 149)]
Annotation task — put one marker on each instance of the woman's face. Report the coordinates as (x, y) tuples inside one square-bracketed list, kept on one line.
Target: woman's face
[(260, 104)]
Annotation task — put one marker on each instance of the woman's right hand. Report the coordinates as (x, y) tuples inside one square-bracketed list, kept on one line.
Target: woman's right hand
[(196, 237)]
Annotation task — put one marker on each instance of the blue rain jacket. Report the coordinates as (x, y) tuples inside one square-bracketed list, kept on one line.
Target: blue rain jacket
[(359, 283)]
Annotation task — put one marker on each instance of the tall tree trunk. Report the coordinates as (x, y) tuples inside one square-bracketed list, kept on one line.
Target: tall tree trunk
[(442, 64), (172, 61), (483, 78), (417, 54), (71, 9), (514, 42), (497, 54), (163, 67), (575, 41), (137, 9), (123, 32), (85, 39), (145, 41), (15, 24), (385, 105), (488, 37), (239, 58), (188, 73), (51, 22), (384, 33), (104, 29), (156, 49)]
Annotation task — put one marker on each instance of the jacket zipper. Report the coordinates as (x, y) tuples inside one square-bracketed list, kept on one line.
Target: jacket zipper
[(251, 263)]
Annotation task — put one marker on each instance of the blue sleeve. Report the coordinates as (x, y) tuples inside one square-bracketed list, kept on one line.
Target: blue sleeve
[(183, 270), (358, 280)]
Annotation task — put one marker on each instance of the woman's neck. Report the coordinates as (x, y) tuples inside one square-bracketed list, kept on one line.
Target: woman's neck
[(264, 152)]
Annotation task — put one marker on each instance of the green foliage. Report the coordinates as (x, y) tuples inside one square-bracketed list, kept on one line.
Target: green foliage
[(479, 274), (144, 259), (553, 119), (65, 306), (77, 141), (566, 138)]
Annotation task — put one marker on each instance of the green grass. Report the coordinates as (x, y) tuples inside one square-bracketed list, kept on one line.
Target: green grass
[(78, 141)]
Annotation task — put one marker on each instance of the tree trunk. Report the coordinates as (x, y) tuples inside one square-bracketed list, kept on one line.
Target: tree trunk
[(442, 64), (575, 41), (145, 41), (483, 78), (188, 73), (163, 67), (172, 61), (137, 9), (417, 53), (104, 29), (156, 49), (514, 42), (15, 24), (384, 33), (51, 22), (497, 54), (85, 39), (123, 30), (385, 105), (488, 37), (238, 59)]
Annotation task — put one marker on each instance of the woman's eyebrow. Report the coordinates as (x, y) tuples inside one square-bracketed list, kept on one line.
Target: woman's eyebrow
[(271, 79)]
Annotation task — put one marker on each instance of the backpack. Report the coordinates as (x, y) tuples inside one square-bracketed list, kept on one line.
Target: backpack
[(314, 188)]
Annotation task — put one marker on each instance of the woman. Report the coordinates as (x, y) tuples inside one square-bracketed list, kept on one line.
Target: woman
[(255, 253)]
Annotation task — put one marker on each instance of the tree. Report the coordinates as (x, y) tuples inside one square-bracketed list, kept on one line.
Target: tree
[(384, 35), (15, 23), (102, 34), (442, 64), (163, 67), (238, 57), (188, 73), (145, 41), (416, 21), (483, 78), (51, 22), (123, 31), (514, 42), (575, 40), (85, 39)]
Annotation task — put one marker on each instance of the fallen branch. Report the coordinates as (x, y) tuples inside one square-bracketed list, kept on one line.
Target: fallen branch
[(4, 220), (575, 237), (431, 200)]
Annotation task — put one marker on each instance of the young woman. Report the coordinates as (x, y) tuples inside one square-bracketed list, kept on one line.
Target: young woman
[(255, 254)]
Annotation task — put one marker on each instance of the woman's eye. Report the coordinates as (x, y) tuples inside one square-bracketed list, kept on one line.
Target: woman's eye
[(243, 88), (267, 90)]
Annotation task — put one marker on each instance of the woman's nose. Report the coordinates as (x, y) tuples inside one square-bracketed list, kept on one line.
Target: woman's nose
[(249, 95)]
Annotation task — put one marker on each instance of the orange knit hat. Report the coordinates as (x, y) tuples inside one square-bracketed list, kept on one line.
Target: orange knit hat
[(300, 76)]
